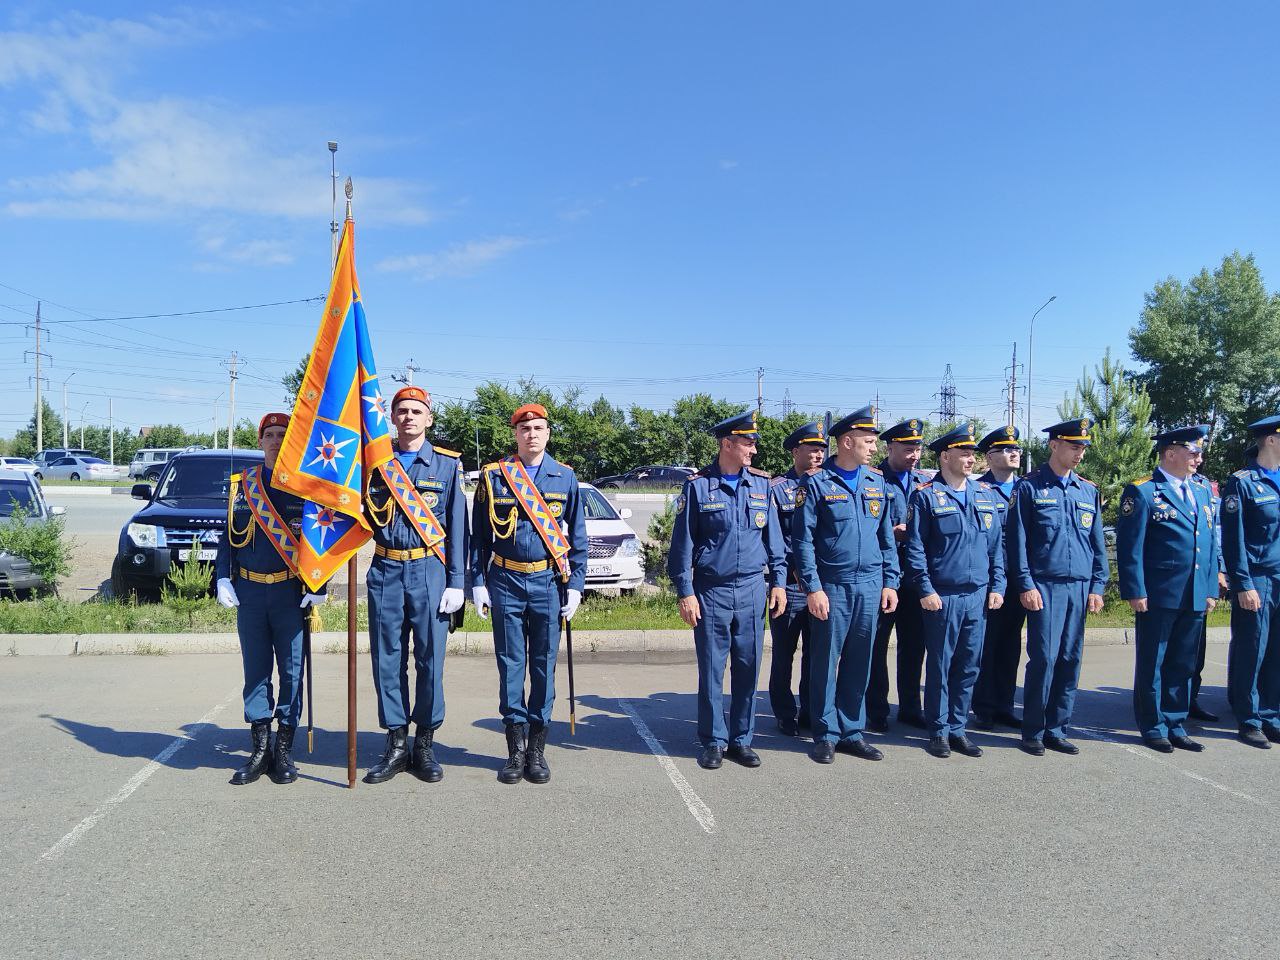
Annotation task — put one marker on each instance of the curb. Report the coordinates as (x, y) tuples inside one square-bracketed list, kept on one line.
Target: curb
[(671, 644), (51, 493)]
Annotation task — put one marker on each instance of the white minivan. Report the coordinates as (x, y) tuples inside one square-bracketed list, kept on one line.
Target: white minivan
[(615, 558)]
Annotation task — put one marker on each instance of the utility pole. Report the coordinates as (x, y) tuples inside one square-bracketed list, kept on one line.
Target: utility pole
[(38, 353), (333, 222), (231, 404), (947, 397), (111, 432), (760, 391), (786, 402), (1011, 414), (82, 412), (65, 441), (215, 420), (410, 369)]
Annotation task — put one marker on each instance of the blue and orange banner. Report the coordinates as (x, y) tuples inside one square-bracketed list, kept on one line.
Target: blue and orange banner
[(339, 432)]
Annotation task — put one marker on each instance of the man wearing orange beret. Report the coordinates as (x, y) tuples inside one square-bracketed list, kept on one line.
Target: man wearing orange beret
[(415, 584), (529, 541)]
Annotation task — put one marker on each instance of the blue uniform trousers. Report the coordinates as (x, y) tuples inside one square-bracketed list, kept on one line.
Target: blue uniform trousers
[(786, 631), (841, 661), (1001, 654), (404, 597), (1166, 642), (269, 622), (1055, 642), (1253, 662), (906, 624), (526, 636), (953, 644), (731, 629)]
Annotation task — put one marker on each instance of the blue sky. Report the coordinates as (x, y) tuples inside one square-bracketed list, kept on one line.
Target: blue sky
[(647, 199)]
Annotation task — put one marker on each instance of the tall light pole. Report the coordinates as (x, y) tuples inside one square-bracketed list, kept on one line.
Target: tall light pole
[(65, 442), (82, 410), (333, 221), (1030, 356)]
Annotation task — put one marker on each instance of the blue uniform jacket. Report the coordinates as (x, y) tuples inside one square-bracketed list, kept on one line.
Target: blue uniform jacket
[(721, 535), (559, 487), (1054, 532), (437, 475), (1166, 550), (257, 554), (784, 489), (997, 495), (1250, 527), (842, 535), (954, 547), (898, 499)]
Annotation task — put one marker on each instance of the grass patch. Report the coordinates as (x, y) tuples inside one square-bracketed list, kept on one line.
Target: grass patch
[(125, 484), (146, 648)]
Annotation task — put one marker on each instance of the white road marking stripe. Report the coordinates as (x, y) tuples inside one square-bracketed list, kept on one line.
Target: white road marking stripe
[(1216, 663), (701, 812), (1146, 754), (137, 780)]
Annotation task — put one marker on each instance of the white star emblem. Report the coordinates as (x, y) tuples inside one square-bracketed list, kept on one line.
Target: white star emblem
[(329, 452), (323, 523), (377, 406)]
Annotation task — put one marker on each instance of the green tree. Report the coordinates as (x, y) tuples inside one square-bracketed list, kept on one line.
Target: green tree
[(1121, 430), (24, 441), (292, 381), (1212, 352)]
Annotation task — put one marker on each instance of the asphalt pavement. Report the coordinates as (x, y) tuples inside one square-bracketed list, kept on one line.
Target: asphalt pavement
[(123, 838)]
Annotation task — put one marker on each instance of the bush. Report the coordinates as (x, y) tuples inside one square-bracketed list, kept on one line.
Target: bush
[(186, 590), (41, 542), (658, 545)]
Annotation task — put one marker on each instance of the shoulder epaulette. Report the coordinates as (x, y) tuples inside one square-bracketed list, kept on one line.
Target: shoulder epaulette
[(695, 476), (447, 452), (1141, 480), (777, 480), (496, 465), (984, 485), (876, 470), (1244, 474), (760, 473), (1087, 480)]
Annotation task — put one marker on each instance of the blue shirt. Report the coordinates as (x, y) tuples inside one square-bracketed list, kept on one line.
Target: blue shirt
[(730, 480)]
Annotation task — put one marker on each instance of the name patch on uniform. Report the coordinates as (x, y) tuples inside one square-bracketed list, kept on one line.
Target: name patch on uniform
[(1047, 501), (555, 496), (430, 484), (504, 501), (950, 508), (834, 497), (711, 505)]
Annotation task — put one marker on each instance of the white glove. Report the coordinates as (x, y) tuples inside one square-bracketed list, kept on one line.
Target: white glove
[(227, 594), (312, 600), (452, 599), (572, 599), (480, 597)]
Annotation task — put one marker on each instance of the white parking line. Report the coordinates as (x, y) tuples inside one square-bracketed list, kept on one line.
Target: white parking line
[(701, 812), (1216, 663), (1146, 754), (137, 780)]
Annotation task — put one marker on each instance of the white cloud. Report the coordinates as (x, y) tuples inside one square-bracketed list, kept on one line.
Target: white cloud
[(164, 157), (458, 260)]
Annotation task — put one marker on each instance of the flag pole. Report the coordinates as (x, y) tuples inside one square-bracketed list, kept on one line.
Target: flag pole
[(351, 623)]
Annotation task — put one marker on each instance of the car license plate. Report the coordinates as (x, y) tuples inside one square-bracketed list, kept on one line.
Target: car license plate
[(600, 569), (203, 555)]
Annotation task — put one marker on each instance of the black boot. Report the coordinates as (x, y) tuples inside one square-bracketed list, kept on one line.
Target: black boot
[(394, 760), (535, 761), (513, 772), (282, 768), (424, 762), (259, 758)]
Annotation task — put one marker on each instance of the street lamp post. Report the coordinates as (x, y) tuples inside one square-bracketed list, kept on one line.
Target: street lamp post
[(82, 411), (1030, 341), (65, 441)]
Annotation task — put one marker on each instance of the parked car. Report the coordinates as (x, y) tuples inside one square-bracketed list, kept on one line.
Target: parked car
[(46, 457), (82, 468), (184, 518), (148, 462), (650, 476), (19, 463), (19, 490), (615, 559)]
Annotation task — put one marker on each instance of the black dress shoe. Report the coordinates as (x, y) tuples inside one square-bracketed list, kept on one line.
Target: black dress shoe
[(878, 725), (1183, 742), (1061, 745), (1158, 744), (788, 728), (1250, 735), (938, 747), (1033, 747), (1198, 712), (395, 759), (964, 745), (913, 720), (1008, 720), (824, 751), (743, 755), (983, 722), (1271, 733), (859, 748), (711, 757)]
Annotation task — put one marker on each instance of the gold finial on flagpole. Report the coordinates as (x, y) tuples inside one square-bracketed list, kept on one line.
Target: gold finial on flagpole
[(347, 189)]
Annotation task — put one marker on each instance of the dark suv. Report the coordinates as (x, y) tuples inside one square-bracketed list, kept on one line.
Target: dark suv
[(185, 517)]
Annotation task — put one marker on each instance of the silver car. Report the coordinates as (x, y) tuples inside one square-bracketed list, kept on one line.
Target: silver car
[(82, 468), (19, 491)]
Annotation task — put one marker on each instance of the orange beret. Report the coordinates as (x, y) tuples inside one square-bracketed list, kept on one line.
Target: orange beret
[(411, 393), (530, 411), (272, 420)]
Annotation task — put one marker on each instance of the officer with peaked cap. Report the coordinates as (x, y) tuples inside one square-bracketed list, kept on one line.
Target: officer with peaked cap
[(725, 543), (1056, 561), (257, 574), (529, 562), (955, 564), (808, 448), (903, 444), (1251, 548), (843, 538), (1198, 711), (1167, 557), (415, 584), (1002, 646)]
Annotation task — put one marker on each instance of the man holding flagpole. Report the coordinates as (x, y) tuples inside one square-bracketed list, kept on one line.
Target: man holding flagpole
[(260, 552), (529, 539), (415, 583)]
